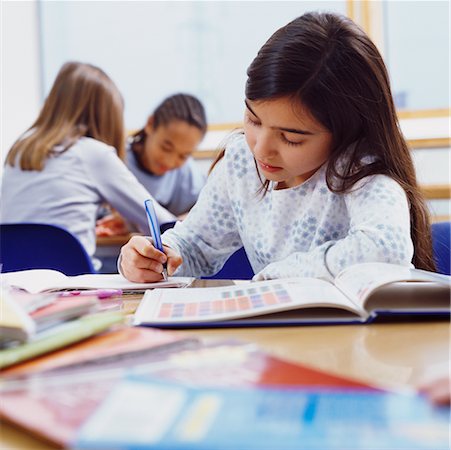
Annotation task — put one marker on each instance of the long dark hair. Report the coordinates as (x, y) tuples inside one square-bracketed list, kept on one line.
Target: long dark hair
[(328, 63), (177, 107)]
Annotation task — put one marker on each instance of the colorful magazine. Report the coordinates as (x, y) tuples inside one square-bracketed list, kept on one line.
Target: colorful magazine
[(29, 405), (141, 413)]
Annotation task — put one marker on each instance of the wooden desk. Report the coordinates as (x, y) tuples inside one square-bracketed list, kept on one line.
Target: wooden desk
[(390, 355), (113, 241)]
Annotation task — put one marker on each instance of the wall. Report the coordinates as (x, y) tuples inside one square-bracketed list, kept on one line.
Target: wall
[(22, 87), (20, 70)]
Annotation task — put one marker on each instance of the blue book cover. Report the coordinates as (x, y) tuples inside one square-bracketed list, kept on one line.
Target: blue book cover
[(141, 413)]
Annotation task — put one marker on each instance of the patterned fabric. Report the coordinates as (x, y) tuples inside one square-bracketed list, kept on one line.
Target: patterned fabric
[(302, 231)]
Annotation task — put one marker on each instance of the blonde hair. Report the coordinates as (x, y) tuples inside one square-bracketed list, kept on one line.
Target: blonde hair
[(83, 101)]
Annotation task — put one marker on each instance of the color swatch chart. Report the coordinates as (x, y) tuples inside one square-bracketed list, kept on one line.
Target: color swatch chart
[(230, 301)]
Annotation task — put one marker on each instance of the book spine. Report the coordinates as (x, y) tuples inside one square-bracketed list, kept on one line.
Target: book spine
[(61, 336)]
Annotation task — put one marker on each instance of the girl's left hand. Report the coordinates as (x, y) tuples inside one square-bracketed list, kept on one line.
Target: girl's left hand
[(111, 225)]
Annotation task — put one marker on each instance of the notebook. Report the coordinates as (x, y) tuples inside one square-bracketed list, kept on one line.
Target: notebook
[(47, 280)]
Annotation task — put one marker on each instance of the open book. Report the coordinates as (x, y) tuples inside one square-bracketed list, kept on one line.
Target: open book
[(47, 280), (359, 294)]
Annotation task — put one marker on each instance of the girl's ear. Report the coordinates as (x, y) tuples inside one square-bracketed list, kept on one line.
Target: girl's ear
[(149, 125)]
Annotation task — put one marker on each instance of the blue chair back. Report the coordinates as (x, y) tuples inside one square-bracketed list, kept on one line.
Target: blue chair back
[(237, 267), (41, 246), (441, 237)]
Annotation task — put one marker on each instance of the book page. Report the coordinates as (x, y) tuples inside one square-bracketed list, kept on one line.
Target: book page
[(117, 281), (409, 296), (33, 281), (41, 280), (361, 281), (15, 323), (245, 300)]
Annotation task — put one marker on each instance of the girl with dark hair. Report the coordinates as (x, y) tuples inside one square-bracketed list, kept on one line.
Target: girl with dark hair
[(322, 177), (159, 155)]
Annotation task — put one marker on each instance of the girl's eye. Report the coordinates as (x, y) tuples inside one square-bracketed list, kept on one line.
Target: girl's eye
[(252, 122), (288, 142)]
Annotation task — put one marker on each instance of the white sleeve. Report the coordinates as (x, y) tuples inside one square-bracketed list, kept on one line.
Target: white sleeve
[(120, 188), (379, 232), (209, 234)]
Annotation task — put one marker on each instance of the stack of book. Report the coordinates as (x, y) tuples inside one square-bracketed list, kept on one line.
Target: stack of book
[(43, 310), (34, 324)]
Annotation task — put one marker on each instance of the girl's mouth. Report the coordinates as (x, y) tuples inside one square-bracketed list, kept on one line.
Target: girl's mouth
[(162, 169), (267, 167)]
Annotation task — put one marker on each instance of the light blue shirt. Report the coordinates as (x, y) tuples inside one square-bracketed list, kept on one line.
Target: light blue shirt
[(307, 230), (70, 189), (176, 190)]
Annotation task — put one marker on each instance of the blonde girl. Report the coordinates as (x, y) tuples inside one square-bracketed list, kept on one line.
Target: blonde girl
[(69, 161)]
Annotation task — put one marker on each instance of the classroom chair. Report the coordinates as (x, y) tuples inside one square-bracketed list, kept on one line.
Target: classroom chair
[(42, 246), (237, 267), (441, 237), (166, 226)]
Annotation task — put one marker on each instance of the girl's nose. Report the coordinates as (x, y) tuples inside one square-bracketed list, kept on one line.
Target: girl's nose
[(172, 162), (264, 146)]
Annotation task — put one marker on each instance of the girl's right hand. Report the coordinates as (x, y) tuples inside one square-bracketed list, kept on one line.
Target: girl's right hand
[(141, 262)]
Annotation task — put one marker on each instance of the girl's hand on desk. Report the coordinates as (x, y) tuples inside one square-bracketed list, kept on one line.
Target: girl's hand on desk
[(111, 225), (141, 262)]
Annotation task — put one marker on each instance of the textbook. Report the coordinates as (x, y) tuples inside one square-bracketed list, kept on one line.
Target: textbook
[(31, 302), (118, 345), (63, 309), (60, 336), (15, 322), (359, 294), (143, 413), (48, 280), (26, 402)]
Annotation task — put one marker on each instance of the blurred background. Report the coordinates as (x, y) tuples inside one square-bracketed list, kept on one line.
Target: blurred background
[(153, 49)]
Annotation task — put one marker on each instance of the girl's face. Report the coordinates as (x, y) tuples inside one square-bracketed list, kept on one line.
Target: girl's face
[(288, 145), (169, 146)]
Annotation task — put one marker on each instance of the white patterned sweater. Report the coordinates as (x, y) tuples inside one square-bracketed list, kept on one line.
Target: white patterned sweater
[(302, 231)]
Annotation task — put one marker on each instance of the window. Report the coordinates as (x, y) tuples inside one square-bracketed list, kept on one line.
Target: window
[(417, 52), (154, 49)]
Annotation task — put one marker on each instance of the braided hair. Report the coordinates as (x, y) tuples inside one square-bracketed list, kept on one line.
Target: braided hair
[(182, 107)]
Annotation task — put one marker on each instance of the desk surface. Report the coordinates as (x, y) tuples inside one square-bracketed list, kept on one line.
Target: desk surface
[(113, 241), (390, 355)]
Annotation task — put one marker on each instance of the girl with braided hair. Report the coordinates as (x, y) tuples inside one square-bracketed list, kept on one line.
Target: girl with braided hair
[(159, 155)]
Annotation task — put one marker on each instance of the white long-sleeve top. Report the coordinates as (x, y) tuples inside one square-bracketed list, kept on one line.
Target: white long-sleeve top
[(306, 230), (70, 189)]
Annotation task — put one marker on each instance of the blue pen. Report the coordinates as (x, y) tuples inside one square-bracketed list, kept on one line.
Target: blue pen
[(155, 231)]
